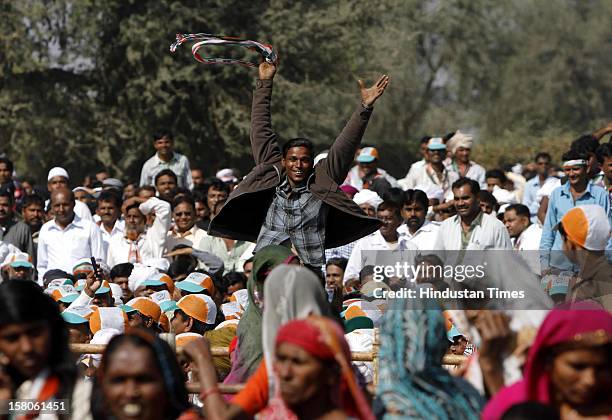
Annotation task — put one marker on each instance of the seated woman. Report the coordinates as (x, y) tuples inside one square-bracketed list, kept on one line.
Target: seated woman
[(310, 376), (569, 366), (37, 363), (140, 378), (412, 382)]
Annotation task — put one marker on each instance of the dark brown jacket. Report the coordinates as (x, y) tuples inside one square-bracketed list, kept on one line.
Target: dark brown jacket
[(245, 210)]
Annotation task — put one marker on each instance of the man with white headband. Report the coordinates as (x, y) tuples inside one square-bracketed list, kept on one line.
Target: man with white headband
[(577, 191), (58, 178), (460, 147)]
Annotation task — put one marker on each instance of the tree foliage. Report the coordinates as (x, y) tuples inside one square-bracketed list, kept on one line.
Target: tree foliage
[(84, 83)]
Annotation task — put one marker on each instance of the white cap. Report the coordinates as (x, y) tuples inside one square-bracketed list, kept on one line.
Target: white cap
[(140, 273), (226, 175), (57, 171), (367, 196)]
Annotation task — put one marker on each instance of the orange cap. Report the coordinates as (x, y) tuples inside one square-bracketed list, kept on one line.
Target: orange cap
[(184, 338), (200, 307), (102, 318), (146, 307)]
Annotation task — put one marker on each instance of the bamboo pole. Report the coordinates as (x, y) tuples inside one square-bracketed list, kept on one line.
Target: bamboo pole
[(449, 359)]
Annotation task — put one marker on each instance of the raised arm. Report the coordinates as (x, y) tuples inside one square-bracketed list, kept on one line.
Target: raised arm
[(598, 134), (264, 141), (342, 151)]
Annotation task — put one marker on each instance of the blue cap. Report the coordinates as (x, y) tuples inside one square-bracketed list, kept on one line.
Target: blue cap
[(189, 286), (168, 306), (452, 333), (153, 282), (127, 309), (72, 318), (69, 298), (436, 143)]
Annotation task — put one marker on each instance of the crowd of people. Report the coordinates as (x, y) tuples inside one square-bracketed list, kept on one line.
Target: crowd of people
[(193, 283)]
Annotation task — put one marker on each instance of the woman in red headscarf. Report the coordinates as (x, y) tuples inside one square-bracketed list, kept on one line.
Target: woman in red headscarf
[(569, 366), (311, 377)]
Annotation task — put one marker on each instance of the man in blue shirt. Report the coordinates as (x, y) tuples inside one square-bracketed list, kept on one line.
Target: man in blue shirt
[(576, 191), (532, 186)]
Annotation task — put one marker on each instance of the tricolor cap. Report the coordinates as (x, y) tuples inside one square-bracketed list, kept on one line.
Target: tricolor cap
[(104, 288), (587, 226), (452, 333), (160, 297), (60, 282), (64, 294), (73, 318), (19, 259), (160, 279), (184, 338), (241, 297), (436, 143), (196, 283), (358, 323), (168, 306), (146, 307), (559, 285), (80, 285), (140, 273), (200, 307), (103, 318), (77, 314), (367, 155), (84, 264)]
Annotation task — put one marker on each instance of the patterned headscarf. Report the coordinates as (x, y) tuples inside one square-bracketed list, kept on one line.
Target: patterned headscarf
[(413, 383)]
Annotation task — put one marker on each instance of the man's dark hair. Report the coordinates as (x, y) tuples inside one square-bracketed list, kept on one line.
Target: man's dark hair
[(368, 270), (543, 155), (166, 172), (183, 199), (574, 154), (233, 277), (8, 163), (586, 144), (604, 151), (28, 200), (338, 262), (149, 188), (197, 326), (496, 174), (424, 139), (394, 194), (160, 134), (519, 209), (298, 142), (391, 206), (486, 197), (416, 196), (121, 270), (111, 196), (461, 182), (5, 192), (219, 185)]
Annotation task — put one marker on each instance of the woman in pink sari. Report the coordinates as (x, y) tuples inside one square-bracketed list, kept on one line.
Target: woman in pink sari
[(569, 367)]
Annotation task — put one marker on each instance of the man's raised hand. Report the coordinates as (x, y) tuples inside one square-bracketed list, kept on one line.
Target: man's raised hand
[(266, 70), (371, 94)]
